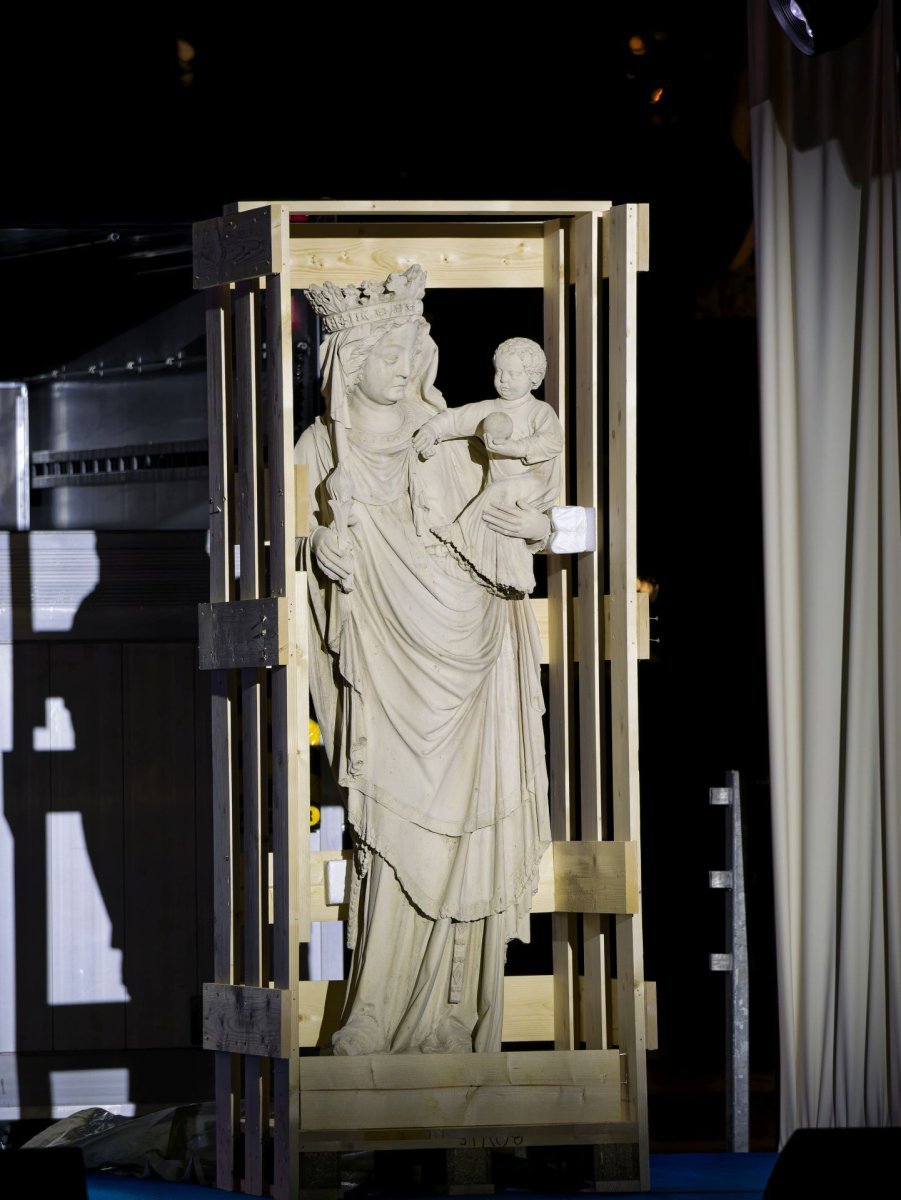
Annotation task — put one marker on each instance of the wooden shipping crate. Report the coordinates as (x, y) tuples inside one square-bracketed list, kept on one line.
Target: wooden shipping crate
[(265, 1024)]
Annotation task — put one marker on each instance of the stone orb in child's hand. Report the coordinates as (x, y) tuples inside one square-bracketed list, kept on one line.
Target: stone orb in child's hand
[(497, 425)]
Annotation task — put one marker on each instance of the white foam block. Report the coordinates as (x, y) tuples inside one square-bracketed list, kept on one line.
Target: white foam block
[(574, 530), (337, 878)]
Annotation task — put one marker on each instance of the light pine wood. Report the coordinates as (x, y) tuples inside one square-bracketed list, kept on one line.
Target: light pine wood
[(528, 1010), (457, 256), (290, 852), (624, 243), (248, 430), (438, 208), (557, 644), (596, 877), (219, 407), (415, 1091), (541, 608), (586, 250), (378, 1109), (411, 1072), (484, 1137), (574, 877), (301, 500)]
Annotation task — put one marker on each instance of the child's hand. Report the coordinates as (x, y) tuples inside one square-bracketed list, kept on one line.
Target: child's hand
[(425, 441), (505, 447)]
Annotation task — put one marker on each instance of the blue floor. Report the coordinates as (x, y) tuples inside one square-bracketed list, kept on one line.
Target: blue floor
[(688, 1176)]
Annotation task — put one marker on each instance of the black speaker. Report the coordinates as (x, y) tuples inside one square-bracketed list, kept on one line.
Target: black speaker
[(837, 1162), (48, 1171)]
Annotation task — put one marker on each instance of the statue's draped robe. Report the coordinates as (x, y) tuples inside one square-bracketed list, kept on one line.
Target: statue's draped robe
[(427, 688), (505, 563)]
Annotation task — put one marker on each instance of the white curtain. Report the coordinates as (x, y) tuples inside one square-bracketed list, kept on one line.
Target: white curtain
[(825, 157)]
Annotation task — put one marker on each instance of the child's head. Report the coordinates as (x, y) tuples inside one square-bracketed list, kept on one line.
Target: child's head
[(519, 366)]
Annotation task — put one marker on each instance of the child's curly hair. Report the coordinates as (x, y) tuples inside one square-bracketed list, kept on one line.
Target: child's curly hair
[(529, 354)]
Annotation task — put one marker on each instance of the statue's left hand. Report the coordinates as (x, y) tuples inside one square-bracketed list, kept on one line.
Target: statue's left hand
[(517, 520)]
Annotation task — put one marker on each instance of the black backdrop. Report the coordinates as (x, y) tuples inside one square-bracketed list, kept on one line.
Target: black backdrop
[(109, 136)]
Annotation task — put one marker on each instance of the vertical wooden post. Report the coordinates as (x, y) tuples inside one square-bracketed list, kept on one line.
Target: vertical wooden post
[(288, 836), (253, 709), (586, 252), (624, 239), (218, 332), (564, 929)]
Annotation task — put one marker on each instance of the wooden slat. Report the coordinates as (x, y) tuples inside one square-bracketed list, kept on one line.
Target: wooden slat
[(542, 610), (247, 1020), (243, 633), (624, 239), (452, 256), (233, 247), (487, 1105), (528, 1010), (289, 848), (415, 1091), (484, 1137), (585, 246), (249, 438), (218, 342), (415, 1072), (301, 500), (558, 609), (596, 877), (438, 208), (574, 877)]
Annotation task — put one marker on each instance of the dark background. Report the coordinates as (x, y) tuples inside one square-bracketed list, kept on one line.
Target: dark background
[(113, 148)]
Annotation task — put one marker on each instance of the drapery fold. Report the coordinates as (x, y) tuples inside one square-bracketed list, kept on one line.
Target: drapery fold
[(827, 183)]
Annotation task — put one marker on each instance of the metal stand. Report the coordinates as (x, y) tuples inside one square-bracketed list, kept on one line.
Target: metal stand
[(732, 881)]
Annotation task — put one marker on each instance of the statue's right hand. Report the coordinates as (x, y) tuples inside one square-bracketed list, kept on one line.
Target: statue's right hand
[(424, 442), (335, 562)]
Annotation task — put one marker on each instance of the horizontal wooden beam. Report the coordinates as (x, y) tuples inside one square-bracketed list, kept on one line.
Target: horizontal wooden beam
[(484, 1137), (541, 609), (528, 1010), (595, 877), (409, 1091), (456, 256), (247, 1020), (437, 208), (243, 633), (233, 247)]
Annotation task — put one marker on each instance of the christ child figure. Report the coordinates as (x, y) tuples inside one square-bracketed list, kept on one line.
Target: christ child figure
[(523, 439)]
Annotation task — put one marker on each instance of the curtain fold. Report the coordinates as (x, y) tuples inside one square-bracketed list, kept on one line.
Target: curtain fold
[(827, 181)]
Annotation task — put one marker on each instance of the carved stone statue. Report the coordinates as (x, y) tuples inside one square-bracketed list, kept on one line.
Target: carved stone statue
[(524, 440), (426, 685)]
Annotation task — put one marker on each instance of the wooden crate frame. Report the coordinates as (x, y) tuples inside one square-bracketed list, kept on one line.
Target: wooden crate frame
[(257, 1013)]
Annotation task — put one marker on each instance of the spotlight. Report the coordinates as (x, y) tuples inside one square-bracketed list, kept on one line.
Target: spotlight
[(818, 26)]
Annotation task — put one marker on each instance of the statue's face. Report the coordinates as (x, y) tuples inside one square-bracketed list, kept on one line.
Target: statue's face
[(511, 379), (386, 371)]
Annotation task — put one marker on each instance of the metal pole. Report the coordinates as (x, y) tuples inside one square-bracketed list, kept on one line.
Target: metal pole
[(735, 962)]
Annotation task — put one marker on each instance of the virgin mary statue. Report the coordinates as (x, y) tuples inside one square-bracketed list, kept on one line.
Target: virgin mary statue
[(426, 686)]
